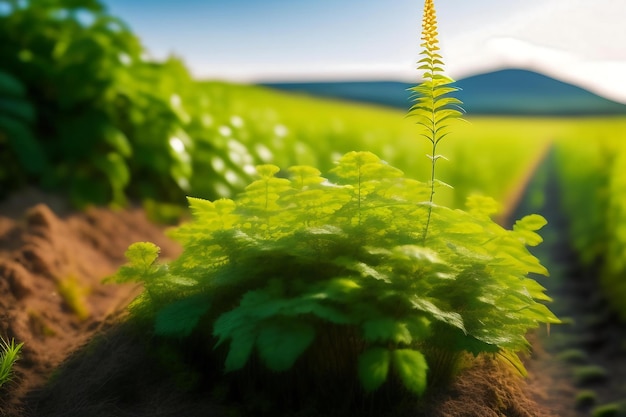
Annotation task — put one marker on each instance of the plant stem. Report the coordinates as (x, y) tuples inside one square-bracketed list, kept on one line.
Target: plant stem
[(433, 161)]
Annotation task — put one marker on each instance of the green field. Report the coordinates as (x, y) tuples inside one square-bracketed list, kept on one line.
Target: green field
[(486, 155), (592, 162)]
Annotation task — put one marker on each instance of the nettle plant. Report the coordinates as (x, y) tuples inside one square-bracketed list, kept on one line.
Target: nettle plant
[(355, 276)]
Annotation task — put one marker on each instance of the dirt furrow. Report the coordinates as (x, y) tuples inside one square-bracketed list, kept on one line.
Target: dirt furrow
[(577, 368)]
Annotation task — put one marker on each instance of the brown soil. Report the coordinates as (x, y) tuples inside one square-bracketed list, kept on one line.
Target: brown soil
[(43, 247), (586, 355), (106, 370)]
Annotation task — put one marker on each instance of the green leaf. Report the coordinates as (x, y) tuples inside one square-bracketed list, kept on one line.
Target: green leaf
[(532, 222), (141, 264), (181, 317), (211, 216), (142, 254), (17, 109), (479, 205), (267, 171), (358, 167), (525, 229), (512, 359), (374, 367), (386, 330), (118, 140), (364, 270), (241, 346), (116, 170), (452, 318), (27, 149), (303, 176), (412, 369), (281, 342), (10, 86)]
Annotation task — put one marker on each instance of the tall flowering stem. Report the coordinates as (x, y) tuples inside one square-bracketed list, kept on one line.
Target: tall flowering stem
[(434, 105)]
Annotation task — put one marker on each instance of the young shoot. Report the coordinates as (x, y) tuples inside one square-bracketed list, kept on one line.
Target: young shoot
[(434, 104), (9, 354)]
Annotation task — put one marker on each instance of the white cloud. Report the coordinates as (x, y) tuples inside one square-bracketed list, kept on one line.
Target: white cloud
[(577, 41)]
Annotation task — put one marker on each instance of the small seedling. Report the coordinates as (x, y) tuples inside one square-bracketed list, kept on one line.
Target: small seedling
[(590, 374), (573, 356), (586, 399), (609, 410), (73, 295), (9, 354)]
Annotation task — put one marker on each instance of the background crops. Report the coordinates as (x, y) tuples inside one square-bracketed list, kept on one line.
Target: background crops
[(592, 167)]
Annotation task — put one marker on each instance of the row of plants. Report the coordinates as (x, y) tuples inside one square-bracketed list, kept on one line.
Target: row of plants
[(488, 156), (84, 109), (359, 277), (594, 196)]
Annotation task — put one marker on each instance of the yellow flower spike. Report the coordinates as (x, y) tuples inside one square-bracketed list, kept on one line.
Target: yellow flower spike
[(434, 104)]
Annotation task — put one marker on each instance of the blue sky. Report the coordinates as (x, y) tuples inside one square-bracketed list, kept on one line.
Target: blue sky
[(252, 40)]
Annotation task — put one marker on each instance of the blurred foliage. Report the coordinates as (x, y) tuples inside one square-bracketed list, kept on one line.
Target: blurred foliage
[(591, 166), (83, 110)]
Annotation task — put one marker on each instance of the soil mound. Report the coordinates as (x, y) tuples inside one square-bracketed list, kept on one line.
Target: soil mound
[(52, 262)]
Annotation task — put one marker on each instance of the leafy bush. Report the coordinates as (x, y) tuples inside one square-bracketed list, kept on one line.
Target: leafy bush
[(293, 260), (594, 183), (355, 276), (82, 108)]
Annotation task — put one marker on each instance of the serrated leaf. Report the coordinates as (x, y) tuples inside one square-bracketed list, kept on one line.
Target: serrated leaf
[(482, 206), (374, 367), (411, 367), (267, 170), (181, 317), (446, 101), (141, 264), (302, 176), (531, 222), (452, 318), (363, 269), (357, 167)]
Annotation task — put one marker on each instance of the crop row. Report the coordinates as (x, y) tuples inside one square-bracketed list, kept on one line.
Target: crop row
[(594, 196), (83, 110)]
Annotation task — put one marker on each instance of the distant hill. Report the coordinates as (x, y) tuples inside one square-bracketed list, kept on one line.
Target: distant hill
[(505, 92)]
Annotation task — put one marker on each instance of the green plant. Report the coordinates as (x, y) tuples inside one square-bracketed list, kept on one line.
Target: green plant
[(73, 295), (23, 156), (82, 110), (586, 374), (609, 410), (9, 354), (573, 356), (435, 106), (586, 398), (295, 259), (355, 276), (594, 183)]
